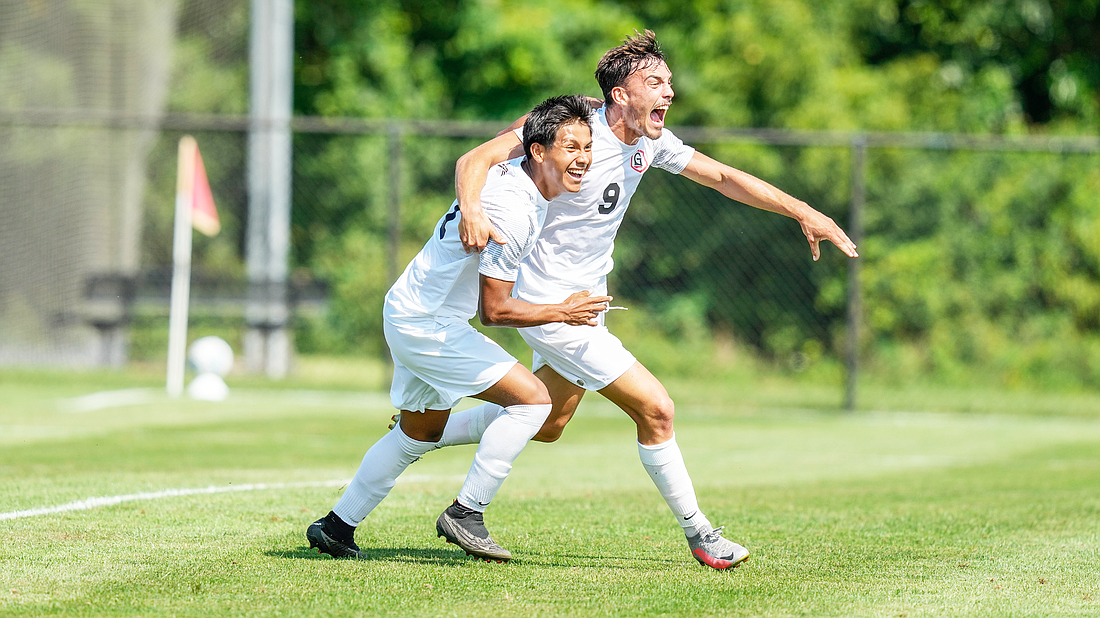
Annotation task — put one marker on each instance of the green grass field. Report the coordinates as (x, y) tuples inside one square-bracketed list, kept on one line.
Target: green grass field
[(893, 513)]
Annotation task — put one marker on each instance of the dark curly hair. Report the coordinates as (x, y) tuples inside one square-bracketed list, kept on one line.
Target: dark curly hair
[(618, 63)]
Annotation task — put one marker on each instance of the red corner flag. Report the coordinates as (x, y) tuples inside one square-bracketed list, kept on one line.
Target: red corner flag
[(193, 188)]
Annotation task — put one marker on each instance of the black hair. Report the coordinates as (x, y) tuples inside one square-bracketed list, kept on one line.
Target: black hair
[(618, 63), (543, 123)]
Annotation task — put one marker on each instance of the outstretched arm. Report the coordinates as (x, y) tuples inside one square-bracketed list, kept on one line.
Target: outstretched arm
[(474, 230), (748, 189), (496, 307)]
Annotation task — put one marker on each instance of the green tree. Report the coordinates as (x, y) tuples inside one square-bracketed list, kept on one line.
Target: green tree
[(970, 259)]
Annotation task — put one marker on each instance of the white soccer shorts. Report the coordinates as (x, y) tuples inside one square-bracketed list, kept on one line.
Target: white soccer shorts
[(588, 356), (437, 363)]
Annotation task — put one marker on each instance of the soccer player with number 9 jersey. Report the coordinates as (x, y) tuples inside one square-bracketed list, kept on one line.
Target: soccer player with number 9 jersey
[(574, 252)]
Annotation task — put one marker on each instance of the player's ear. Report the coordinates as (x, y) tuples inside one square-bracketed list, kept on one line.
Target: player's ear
[(618, 95), (538, 152)]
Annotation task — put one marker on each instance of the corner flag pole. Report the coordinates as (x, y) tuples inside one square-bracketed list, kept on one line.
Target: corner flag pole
[(194, 207)]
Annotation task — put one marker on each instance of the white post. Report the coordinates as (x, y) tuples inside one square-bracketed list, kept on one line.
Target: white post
[(267, 343), (278, 217), (181, 267)]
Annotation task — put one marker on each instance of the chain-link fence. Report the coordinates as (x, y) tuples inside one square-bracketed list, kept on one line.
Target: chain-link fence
[(980, 257), (1000, 244)]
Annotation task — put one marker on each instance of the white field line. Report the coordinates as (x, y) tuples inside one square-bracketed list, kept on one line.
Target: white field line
[(93, 503), (104, 400), (111, 399)]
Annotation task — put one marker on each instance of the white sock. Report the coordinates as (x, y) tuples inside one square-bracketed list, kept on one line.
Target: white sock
[(381, 466), (665, 465), (502, 443), (467, 426)]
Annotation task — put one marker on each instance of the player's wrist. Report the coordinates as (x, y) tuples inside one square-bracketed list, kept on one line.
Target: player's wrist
[(470, 208), (562, 313), (801, 211)]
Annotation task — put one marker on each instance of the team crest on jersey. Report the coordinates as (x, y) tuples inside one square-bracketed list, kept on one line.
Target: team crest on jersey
[(638, 162)]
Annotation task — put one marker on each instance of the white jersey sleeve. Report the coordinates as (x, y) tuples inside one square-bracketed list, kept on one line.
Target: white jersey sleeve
[(442, 280), (670, 153), (517, 226)]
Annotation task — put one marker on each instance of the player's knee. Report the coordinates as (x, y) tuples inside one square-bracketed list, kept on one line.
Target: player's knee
[(535, 394), (539, 397), (659, 412)]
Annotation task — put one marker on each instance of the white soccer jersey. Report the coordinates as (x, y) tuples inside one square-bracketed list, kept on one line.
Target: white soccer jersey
[(442, 280), (573, 252)]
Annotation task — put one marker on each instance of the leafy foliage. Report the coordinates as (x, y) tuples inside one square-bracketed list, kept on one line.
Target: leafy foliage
[(971, 261)]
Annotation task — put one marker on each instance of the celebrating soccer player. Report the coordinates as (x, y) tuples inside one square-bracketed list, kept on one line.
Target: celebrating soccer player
[(439, 358), (629, 137)]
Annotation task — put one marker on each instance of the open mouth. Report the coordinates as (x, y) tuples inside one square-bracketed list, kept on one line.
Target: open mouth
[(575, 174), (658, 114)]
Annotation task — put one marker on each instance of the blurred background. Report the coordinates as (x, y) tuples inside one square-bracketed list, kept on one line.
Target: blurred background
[(956, 140)]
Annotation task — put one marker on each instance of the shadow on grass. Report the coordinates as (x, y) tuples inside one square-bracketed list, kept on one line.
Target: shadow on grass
[(380, 554), (457, 557), (593, 562)]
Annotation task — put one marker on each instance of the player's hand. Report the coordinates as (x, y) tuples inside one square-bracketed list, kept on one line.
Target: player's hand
[(818, 227), (475, 229), (582, 309)]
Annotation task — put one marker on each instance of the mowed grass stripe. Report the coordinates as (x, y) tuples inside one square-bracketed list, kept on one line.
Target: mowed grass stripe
[(853, 548), (865, 515)]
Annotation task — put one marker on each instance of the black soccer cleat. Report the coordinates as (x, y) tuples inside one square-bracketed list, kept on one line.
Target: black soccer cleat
[(321, 536), (466, 528)]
